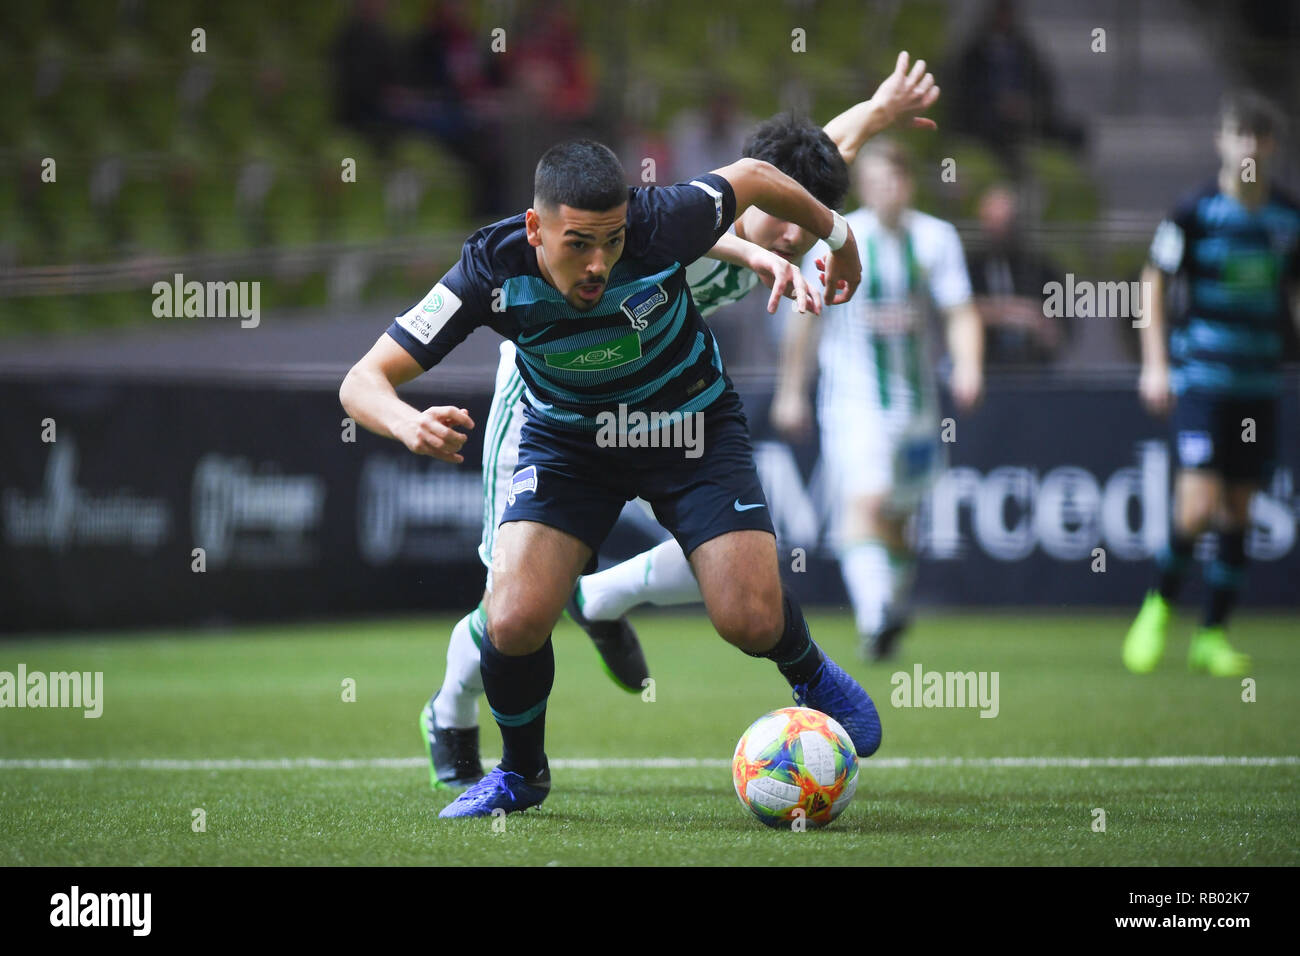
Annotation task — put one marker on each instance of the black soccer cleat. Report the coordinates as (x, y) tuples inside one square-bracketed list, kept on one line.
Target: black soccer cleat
[(617, 643), (881, 645), (454, 761)]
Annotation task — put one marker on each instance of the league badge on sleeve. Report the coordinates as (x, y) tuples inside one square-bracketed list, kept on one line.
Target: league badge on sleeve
[(427, 319)]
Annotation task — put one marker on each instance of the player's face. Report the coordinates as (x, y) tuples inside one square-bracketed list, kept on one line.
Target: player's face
[(884, 188), (576, 249), (787, 240), (1236, 145)]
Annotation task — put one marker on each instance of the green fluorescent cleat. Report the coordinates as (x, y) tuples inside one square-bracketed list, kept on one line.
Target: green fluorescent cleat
[(1145, 642), (1212, 654), (616, 642)]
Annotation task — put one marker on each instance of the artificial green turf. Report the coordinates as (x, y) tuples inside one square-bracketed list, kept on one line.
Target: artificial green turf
[(270, 693)]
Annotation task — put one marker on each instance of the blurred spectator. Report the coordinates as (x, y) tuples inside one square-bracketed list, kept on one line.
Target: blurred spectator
[(366, 65), (1003, 93), (709, 138), (549, 91), (1007, 279), (453, 93), (548, 68)]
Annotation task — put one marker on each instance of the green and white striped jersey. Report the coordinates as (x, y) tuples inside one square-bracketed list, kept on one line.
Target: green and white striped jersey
[(875, 347), (715, 284)]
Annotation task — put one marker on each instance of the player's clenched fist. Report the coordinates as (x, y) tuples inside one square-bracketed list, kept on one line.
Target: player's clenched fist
[(433, 432)]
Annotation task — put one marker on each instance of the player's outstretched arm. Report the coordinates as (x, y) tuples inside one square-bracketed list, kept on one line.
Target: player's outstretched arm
[(783, 278), (898, 99), (757, 183), (369, 395)]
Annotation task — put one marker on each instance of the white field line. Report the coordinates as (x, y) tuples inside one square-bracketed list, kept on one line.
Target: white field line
[(643, 763)]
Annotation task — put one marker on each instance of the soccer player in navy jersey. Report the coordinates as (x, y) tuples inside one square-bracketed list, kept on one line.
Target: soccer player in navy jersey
[(1236, 244), (589, 284), (760, 248)]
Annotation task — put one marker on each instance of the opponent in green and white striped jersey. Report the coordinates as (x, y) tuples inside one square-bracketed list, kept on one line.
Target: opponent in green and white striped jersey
[(715, 283), (877, 344)]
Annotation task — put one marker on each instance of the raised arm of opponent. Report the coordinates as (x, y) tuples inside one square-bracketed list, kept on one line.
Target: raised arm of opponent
[(896, 100)]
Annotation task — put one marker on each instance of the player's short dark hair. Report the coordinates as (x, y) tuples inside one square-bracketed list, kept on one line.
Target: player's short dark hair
[(803, 151), (582, 174), (1251, 112)]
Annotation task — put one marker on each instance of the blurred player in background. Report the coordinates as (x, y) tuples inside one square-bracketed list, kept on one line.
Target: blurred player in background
[(760, 247), (877, 403), (1235, 241)]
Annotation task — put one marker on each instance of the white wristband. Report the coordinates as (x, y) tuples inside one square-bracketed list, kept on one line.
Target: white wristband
[(839, 231)]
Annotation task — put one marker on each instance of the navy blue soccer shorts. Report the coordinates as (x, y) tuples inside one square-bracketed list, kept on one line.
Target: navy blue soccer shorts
[(1209, 434), (565, 480)]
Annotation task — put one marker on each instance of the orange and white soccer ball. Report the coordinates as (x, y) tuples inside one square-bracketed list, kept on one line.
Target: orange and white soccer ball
[(795, 763)]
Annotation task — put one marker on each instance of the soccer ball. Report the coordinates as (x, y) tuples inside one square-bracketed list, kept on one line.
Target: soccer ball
[(795, 762)]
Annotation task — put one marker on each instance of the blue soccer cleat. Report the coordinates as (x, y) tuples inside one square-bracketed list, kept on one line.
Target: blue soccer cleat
[(500, 790), (835, 693)]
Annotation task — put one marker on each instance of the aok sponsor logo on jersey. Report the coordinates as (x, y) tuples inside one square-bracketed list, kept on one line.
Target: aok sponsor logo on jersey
[(598, 357)]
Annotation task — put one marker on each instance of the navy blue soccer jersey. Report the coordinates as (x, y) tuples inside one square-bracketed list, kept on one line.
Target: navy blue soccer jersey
[(643, 345), (1239, 266)]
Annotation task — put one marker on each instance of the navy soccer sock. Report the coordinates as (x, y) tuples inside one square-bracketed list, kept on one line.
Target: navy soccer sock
[(1171, 564), (517, 689), (1224, 575), (795, 654)]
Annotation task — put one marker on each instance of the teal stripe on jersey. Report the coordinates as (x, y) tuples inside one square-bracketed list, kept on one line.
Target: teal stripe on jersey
[(1224, 380), (631, 396), (1239, 340), (1213, 294), (535, 359), (1211, 251)]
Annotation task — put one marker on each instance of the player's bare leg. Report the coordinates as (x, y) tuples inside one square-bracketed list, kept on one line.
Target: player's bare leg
[(740, 581), (534, 567), (741, 586), (878, 566)]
